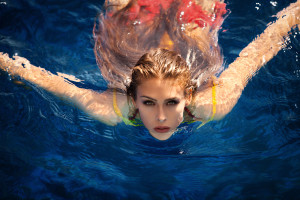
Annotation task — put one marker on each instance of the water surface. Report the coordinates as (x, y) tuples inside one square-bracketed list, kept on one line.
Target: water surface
[(51, 150)]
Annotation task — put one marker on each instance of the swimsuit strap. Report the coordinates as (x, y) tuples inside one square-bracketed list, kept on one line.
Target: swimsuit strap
[(117, 110), (133, 123), (214, 102), (119, 113), (191, 115)]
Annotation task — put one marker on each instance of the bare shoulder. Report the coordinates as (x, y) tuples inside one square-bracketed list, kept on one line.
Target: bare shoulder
[(201, 105), (122, 102), (109, 106), (217, 101)]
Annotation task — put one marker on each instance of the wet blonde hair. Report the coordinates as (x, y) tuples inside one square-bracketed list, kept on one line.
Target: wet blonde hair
[(120, 42), (162, 64)]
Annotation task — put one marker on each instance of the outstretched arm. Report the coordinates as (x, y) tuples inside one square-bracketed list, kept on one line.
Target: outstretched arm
[(251, 59), (98, 105)]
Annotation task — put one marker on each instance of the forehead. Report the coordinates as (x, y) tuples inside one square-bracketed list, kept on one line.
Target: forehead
[(158, 88)]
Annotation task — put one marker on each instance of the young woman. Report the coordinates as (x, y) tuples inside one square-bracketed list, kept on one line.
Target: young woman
[(160, 59)]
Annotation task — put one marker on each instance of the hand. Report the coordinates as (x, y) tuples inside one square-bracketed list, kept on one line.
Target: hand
[(14, 67)]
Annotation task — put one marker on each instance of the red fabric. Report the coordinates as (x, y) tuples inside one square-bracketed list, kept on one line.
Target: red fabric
[(220, 11), (134, 11), (189, 11), (191, 115), (146, 10), (154, 5)]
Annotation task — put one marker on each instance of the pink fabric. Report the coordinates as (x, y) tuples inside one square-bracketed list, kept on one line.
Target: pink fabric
[(148, 9), (189, 11)]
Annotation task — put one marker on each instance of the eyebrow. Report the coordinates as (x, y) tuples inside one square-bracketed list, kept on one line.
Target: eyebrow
[(172, 98), (149, 98)]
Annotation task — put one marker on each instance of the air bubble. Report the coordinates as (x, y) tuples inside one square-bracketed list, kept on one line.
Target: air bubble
[(257, 6), (273, 3)]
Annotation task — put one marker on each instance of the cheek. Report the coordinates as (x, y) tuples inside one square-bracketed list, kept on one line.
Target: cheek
[(179, 117), (147, 119), (176, 115), (146, 114), (180, 110)]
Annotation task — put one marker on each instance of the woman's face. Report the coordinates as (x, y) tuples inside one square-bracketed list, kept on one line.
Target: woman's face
[(161, 105)]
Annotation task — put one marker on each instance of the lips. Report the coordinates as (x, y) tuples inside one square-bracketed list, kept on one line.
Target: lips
[(162, 129)]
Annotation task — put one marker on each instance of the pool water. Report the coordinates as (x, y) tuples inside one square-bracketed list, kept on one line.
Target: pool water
[(51, 150)]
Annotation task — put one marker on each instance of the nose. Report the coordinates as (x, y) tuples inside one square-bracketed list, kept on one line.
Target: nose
[(161, 115)]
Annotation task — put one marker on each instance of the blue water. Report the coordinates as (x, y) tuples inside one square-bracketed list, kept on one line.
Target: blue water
[(51, 150)]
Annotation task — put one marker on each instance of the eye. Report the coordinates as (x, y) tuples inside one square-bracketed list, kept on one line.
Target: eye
[(172, 102), (148, 103)]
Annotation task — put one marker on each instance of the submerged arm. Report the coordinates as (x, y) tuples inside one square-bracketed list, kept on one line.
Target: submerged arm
[(235, 78), (98, 105)]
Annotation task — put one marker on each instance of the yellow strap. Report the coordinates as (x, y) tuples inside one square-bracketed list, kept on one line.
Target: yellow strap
[(115, 105), (214, 101), (117, 110), (214, 104)]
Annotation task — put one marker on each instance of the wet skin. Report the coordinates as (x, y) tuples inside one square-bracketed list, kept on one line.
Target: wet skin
[(161, 105)]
